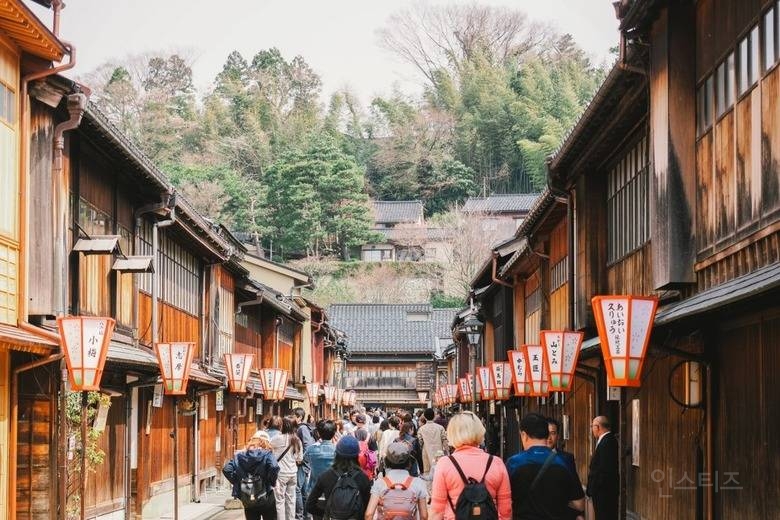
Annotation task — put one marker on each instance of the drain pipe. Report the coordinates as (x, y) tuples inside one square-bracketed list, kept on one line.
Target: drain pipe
[(15, 425)]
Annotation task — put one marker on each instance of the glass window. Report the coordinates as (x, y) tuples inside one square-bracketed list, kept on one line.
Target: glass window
[(770, 55), (754, 52), (7, 104), (743, 78), (709, 87), (729, 81), (720, 95)]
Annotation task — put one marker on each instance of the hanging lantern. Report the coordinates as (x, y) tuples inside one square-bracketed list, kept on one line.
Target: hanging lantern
[(465, 390), (352, 398), (238, 367), (624, 324), (537, 371), (486, 386), (174, 360), (345, 398), (422, 396), (339, 396), (85, 341), (561, 352), (330, 393), (313, 389), (520, 379), (274, 383), (501, 372), (452, 393)]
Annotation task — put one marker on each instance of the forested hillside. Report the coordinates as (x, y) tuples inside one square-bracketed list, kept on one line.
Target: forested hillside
[(262, 152)]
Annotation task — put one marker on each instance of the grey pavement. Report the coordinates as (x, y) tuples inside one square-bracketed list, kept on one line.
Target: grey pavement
[(214, 504)]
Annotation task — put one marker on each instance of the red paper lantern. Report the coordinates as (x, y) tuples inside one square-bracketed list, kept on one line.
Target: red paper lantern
[(487, 388), (501, 372), (330, 393), (313, 389), (537, 371), (465, 390), (520, 377), (238, 367), (85, 341), (274, 383), (624, 324), (339, 396), (175, 360), (452, 393), (561, 352)]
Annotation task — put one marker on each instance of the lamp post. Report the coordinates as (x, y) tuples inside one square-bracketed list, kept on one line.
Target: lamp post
[(472, 328), (275, 384), (175, 360), (85, 341)]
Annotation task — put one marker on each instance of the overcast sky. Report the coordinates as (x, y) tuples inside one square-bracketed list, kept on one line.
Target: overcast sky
[(336, 37)]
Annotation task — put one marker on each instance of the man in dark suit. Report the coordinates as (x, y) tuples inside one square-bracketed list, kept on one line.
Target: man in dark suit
[(603, 478), (554, 429)]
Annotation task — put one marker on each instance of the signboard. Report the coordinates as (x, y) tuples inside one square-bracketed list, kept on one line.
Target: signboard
[(157, 400), (220, 400)]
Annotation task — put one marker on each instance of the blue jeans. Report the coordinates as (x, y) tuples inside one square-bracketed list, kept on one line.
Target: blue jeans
[(300, 492)]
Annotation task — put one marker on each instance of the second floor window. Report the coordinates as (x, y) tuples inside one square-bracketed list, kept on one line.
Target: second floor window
[(628, 212)]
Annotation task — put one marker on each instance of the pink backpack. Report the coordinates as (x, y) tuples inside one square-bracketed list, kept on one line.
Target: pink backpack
[(367, 460), (398, 501)]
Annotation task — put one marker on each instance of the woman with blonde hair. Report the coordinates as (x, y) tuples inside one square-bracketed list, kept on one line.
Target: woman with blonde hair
[(465, 433), (256, 468)]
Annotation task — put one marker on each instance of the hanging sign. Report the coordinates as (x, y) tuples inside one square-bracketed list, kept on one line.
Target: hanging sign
[(157, 398), (624, 324), (561, 351), (220, 400)]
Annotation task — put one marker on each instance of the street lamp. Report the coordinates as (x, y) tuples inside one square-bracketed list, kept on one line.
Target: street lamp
[(85, 341), (175, 360), (472, 329), (275, 384)]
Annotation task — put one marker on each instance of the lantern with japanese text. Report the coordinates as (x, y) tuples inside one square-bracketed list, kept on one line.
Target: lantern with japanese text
[(313, 389), (85, 341), (274, 383), (339, 400), (538, 375), (561, 352), (238, 367), (517, 360), (624, 324), (487, 388), (465, 390), (501, 372), (330, 393), (452, 393), (422, 396), (174, 360)]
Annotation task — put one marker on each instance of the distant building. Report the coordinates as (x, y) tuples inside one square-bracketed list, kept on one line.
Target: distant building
[(391, 350), (501, 214), (405, 236)]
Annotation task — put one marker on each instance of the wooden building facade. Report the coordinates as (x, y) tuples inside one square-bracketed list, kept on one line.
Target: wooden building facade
[(667, 186)]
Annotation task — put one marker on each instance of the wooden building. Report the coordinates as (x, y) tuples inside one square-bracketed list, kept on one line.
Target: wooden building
[(667, 186)]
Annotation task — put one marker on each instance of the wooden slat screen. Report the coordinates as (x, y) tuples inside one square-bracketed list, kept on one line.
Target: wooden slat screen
[(628, 208)]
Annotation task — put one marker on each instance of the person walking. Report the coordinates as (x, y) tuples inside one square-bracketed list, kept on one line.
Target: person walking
[(432, 438), (253, 473), (304, 433), (603, 477), (398, 494), (342, 491), (287, 449), (319, 457), (542, 485), (465, 433)]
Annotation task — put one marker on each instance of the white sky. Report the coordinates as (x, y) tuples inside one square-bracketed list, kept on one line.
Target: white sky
[(336, 37)]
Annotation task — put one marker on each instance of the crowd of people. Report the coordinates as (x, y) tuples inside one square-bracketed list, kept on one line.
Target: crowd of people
[(374, 465)]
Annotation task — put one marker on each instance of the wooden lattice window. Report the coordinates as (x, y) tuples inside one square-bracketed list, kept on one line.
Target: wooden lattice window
[(628, 208)]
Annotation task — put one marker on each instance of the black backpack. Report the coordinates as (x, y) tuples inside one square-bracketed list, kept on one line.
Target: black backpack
[(252, 490), (475, 501), (345, 501)]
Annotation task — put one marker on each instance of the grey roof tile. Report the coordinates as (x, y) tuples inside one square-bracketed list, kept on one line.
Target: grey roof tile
[(386, 328), (507, 203), (397, 211)]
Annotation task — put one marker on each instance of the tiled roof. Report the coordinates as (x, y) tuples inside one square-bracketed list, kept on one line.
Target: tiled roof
[(509, 203), (386, 328), (415, 234), (397, 212)]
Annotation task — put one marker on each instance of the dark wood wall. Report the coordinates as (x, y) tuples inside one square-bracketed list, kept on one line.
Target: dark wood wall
[(106, 485)]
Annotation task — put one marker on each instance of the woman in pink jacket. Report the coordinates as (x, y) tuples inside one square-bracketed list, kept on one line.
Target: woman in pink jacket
[(465, 433)]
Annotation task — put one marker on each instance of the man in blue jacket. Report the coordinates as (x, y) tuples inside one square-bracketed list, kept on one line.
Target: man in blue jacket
[(320, 456)]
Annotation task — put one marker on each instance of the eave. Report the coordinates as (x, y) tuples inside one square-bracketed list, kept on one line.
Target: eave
[(28, 32)]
